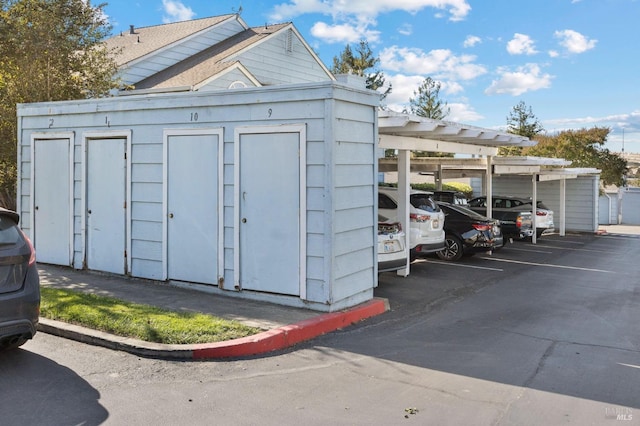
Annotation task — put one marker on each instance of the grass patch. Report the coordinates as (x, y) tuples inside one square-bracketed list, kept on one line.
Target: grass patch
[(138, 321)]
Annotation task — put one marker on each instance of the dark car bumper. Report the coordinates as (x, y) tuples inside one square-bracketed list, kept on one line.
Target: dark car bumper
[(20, 310), (428, 248), (392, 265)]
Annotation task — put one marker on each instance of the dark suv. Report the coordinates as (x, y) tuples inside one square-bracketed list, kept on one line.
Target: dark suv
[(19, 284)]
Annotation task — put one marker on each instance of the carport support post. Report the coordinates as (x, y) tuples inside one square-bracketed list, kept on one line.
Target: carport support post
[(534, 207), (489, 186), (404, 185), (563, 196)]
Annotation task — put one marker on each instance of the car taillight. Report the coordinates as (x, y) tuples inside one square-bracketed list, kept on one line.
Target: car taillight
[(385, 228), (519, 222), (539, 213), (32, 257), (419, 217), (481, 226)]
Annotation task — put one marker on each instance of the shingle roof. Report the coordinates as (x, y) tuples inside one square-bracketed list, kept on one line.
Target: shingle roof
[(146, 40), (209, 62)]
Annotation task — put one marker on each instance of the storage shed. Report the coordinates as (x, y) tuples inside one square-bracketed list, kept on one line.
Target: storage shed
[(264, 193)]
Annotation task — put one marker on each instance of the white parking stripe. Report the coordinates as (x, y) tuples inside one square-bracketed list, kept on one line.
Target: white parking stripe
[(462, 265), (548, 265), (529, 250)]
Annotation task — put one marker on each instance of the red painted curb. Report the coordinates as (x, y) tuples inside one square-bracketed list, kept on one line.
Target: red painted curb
[(289, 335)]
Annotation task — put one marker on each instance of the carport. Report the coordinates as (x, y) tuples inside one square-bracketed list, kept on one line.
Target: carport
[(478, 149)]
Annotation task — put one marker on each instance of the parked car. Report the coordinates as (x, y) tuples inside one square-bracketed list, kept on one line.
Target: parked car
[(426, 219), (516, 224), (468, 232), (19, 284), (451, 197), (544, 216), (391, 246)]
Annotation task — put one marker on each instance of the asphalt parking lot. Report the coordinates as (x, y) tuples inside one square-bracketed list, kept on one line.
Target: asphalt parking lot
[(554, 258), (556, 320)]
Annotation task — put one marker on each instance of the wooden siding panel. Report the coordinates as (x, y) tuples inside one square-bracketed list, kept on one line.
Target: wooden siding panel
[(354, 262), (146, 192), (354, 175), (146, 173), (143, 268), (353, 197), (266, 62), (353, 240), (354, 218), (147, 250), (355, 153), (146, 230)]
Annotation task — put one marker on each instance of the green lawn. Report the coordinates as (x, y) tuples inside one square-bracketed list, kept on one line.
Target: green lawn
[(138, 321)]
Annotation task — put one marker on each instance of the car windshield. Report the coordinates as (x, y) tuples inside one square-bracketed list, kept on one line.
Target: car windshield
[(467, 212), (424, 202)]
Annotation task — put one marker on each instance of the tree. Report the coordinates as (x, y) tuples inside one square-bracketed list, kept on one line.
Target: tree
[(585, 148), (362, 64), (426, 101), (50, 50), (521, 121)]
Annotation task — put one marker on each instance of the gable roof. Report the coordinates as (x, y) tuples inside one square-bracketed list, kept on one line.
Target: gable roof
[(211, 61), (139, 42)]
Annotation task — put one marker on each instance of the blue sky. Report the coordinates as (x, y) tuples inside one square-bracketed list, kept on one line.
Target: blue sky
[(576, 63)]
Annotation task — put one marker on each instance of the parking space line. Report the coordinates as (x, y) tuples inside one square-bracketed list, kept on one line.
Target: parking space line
[(568, 248), (462, 265), (530, 250), (548, 265)]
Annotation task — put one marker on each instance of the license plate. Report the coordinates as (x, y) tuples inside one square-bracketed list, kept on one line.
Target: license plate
[(390, 246)]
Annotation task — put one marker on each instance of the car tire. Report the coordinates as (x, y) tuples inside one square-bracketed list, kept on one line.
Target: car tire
[(12, 344), (453, 249)]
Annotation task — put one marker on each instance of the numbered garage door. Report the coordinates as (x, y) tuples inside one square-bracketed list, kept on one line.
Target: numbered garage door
[(106, 205), (52, 200), (194, 206), (270, 213)]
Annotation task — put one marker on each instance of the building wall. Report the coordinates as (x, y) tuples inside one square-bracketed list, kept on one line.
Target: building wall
[(158, 61), (341, 177), (266, 60)]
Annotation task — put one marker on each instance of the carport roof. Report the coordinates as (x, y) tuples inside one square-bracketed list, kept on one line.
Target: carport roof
[(406, 131)]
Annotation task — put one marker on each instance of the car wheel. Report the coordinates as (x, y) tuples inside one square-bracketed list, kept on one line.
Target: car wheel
[(14, 343), (452, 250)]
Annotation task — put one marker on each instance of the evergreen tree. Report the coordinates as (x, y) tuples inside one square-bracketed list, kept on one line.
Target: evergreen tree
[(426, 101), (361, 63)]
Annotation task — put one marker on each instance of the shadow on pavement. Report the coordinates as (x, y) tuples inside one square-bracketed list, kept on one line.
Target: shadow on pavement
[(37, 391)]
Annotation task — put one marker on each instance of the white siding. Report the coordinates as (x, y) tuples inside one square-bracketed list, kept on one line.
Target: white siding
[(581, 208), (340, 173), (265, 61), (163, 59)]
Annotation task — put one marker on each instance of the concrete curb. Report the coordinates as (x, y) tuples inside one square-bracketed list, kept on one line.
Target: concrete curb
[(262, 343)]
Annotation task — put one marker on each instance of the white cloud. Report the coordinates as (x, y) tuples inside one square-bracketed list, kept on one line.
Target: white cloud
[(524, 79), (521, 44), (344, 33), (406, 29), (440, 64), (176, 11), (457, 9), (574, 42), (403, 88), (471, 41), (463, 113), (553, 54)]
